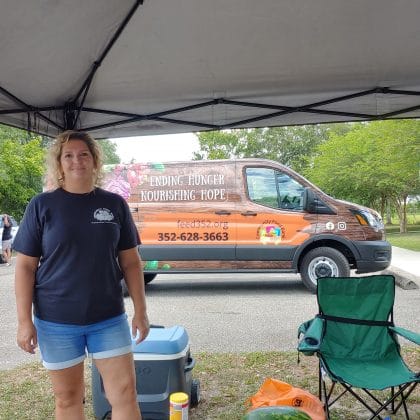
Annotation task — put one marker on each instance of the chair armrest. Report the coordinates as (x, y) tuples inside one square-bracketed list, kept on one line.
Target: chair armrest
[(409, 335), (304, 327), (311, 340)]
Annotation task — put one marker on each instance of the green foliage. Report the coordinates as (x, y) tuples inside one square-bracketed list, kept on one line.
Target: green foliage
[(21, 169), (109, 151), (10, 133), (369, 163), (291, 146), (372, 164), (410, 239), (217, 144)]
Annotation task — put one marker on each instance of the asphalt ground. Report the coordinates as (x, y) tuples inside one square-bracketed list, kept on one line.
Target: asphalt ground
[(221, 313)]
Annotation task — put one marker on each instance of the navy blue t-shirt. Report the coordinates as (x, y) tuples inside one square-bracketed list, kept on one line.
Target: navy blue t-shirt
[(77, 237)]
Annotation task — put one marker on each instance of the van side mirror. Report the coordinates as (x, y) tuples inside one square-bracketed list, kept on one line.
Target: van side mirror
[(307, 199), (313, 204)]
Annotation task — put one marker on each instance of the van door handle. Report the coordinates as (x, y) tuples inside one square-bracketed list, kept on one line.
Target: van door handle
[(249, 213), (223, 212)]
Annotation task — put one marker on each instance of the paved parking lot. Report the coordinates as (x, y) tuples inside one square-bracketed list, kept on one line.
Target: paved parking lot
[(222, 313)]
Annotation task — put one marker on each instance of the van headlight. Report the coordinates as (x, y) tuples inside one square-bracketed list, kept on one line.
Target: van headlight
[(367, 218)]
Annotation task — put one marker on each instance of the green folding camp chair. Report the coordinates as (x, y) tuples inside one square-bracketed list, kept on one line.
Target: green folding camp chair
[(356, 342)]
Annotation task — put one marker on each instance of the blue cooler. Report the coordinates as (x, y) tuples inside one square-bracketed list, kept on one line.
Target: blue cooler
[(163, 365)]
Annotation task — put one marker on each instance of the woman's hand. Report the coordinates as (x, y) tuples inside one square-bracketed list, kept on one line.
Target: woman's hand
[(26, 337), (25, 271), (140, 326)]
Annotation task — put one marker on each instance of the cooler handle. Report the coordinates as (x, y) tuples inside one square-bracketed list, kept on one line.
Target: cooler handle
[(191, 364)]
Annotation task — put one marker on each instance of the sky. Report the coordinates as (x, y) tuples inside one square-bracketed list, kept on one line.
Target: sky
[(161, 148)]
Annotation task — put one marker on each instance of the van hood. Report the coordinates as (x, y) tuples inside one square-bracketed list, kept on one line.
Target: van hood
[(351, 205)]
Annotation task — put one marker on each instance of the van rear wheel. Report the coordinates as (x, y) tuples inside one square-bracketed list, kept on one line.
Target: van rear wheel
[(149, 277), (323, 262)]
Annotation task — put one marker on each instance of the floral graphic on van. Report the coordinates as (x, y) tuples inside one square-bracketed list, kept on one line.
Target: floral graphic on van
[(123, 179), (151, 265), (270, 233), (154, 265), (119, 186)]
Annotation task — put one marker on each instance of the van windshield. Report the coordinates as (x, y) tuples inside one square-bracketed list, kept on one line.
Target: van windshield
[(274, 189)]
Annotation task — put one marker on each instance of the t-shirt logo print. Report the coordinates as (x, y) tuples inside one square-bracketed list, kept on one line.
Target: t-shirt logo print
[(103, 215)]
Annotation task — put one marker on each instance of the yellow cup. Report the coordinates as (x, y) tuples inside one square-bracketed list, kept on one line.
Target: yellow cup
[(178, 406)]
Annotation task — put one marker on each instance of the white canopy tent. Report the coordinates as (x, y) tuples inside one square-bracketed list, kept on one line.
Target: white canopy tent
[(125, 67)]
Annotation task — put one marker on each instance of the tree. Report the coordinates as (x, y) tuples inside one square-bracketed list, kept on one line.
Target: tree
[(21, 169), (292, 146), (109, 151), (10, 133), (217, 144), (372, 164), (22, 156)]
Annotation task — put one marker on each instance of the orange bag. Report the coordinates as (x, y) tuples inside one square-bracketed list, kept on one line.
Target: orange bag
[(274, 392)]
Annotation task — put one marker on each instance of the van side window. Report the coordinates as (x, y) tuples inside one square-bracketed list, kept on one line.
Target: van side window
[(273, 189), (291, 192)]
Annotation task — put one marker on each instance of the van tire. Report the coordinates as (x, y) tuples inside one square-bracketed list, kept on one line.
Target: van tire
[(323, 262), (149, 277)]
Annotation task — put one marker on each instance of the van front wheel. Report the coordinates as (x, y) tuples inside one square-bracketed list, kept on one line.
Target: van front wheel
[(323, 262)]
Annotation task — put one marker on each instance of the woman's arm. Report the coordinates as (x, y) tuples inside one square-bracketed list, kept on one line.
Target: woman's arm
[(24, 290), (131, 267)]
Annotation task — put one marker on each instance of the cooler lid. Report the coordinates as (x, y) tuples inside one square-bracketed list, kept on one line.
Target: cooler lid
[(170, 340)]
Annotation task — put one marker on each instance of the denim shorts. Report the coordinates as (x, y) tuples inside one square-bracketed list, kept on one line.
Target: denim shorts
[(6, 244), (65, 345)]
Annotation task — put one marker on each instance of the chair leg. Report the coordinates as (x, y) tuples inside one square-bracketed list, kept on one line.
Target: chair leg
[(358, 398), (322, 392), (326, 400), (347, 388), (372, 396), (404, 398), (319, 382), (330, 403), (325, 396), (393, 397)]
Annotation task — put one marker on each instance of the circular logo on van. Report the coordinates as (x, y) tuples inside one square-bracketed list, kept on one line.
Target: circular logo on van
[(270, 233)]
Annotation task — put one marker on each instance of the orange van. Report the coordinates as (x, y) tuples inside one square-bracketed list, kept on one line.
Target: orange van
[(245, 215)]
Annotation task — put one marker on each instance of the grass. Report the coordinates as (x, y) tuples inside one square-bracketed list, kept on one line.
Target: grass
[(409, 240), (227, 380)]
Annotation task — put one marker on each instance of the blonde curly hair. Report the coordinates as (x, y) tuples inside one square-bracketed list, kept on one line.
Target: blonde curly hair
[(55, 176)]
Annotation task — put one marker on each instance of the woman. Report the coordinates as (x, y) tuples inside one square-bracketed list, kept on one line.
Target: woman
[(74, 245)]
